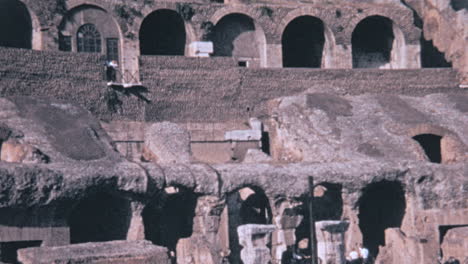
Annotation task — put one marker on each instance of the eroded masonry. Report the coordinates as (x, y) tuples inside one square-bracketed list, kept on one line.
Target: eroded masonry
[(187, 132)]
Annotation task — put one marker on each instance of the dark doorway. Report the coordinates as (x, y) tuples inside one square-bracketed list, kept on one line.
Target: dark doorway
[(9, 250), (15, 25), (431, 146), (431, 57), (303, 41), (372, 42), (248, 205), (162, 33), (235, 35), (101, 217), (170, 217), (381, 206)]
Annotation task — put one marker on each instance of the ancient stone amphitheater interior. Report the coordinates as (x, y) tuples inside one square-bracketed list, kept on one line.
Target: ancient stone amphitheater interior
[(234, 131)]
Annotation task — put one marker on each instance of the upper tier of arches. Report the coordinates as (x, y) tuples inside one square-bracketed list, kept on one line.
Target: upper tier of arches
[(306, 36)]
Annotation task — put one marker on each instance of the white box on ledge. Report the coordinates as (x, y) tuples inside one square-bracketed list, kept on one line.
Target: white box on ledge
[(201, 48)]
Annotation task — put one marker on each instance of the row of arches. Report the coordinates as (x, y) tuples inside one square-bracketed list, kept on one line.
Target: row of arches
[(170, 217), (306, 41)]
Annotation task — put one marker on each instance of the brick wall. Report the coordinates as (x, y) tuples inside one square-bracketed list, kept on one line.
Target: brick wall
[(214, 89), (63, 75), (185, 89)]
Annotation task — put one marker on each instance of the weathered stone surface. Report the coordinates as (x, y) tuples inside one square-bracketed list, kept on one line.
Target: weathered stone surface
[(118, 252), (256, 156), (319, 127), (60, 130), (168, 142), (398, 248), (13, 151), (254, 239), (454, 244)]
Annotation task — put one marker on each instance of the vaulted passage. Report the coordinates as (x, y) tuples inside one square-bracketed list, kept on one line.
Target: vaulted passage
[(248, 205), (431, 146), (15, 25), (101, 217), (303, 41), (382, 205), (431, 57), (236, 35), (170, 217), (162, 33), (372, 42)]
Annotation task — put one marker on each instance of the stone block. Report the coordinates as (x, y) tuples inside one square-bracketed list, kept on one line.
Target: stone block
[(114, 252), (201, 48), (168, 143)]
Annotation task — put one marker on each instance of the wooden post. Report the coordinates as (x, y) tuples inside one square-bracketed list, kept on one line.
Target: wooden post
[(313, 238)]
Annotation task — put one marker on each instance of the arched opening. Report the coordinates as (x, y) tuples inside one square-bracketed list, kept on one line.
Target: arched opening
[(303, 43), (88, 39), (101, 217), (15, 25), (431, 57), (458, 5), (89, 28), (372, 42), (248, 205), (236, 35), (382, 205), (162, 33), (327, 205), (169, 217), (431, 145)]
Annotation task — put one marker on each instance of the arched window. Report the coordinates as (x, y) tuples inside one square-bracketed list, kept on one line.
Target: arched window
[(88, 39)]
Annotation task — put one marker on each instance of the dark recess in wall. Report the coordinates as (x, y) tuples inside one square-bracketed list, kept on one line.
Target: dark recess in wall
[(431, 146)]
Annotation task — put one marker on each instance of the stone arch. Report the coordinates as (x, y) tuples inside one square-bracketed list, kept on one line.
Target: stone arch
[(303, 43), (328, 50), (382, 205), (246, 205), (377, 42), (105, 23), (162, 32), (238, 35), (100, 217), (18, 25), (328, 205), (169, 216), (437, 144)]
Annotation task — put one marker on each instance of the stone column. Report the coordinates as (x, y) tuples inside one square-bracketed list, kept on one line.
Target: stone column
[(286, 220), (203, 247), (254, 239), (136, 229), (342, 57), (330, 241), (274, 56)]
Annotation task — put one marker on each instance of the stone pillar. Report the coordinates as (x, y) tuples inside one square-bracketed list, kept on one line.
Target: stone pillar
[(254, 239), (412, 57), (274, 56), (342, 57), (203, 247), (286, 220), (136, 229), (330, 241), (130, 64)]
